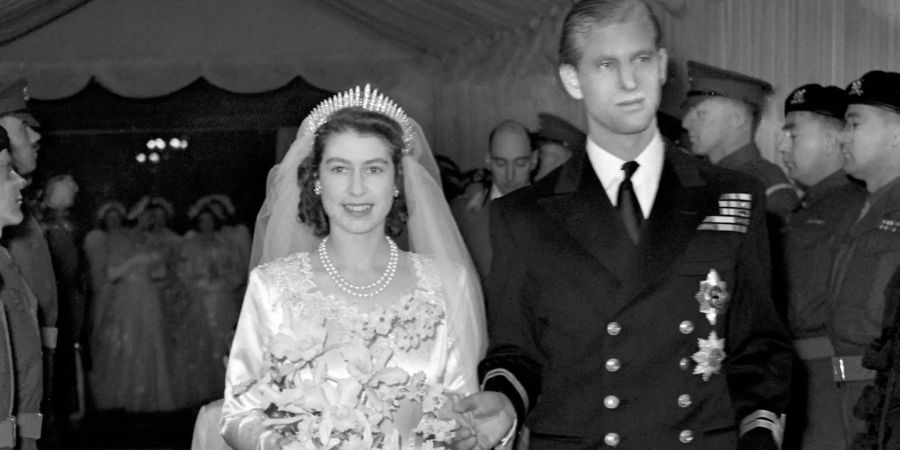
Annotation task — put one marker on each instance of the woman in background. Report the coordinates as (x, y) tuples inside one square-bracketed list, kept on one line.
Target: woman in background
[(130, 369)]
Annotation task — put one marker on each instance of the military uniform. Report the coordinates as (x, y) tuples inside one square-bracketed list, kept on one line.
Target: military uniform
[(21, 306), (810, 239), (472, 212), (601, 342), (781, 197)]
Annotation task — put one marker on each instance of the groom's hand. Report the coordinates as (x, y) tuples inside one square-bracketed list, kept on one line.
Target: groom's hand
[(492, 416)]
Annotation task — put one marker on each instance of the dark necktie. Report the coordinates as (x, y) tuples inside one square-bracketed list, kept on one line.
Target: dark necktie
[(627, 202)]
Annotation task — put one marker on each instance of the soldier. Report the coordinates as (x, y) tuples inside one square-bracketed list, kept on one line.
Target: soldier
[(723, 113), (555, 141), (26, 243), (868, 240), (814, 116), (20, 347)]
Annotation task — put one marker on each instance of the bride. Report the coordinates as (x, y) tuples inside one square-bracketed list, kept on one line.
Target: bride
[(344, 340)]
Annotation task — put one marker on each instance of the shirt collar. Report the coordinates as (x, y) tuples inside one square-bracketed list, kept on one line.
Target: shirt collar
[(495, 192), (608, 167)]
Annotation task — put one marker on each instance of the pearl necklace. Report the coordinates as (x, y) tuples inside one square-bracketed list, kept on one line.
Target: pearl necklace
[(368, 290)]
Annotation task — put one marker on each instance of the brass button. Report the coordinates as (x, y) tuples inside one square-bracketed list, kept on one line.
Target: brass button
[(686, 436), (611, 402), (684, 364), (612, 439), (613, 328), (613, 364), (684, 400), (686, 327)]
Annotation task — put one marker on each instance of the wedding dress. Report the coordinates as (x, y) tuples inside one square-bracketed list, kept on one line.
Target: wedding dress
[(313, 367)]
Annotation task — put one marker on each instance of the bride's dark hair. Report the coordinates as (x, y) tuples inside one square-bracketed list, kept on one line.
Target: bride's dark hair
[(364, 122)]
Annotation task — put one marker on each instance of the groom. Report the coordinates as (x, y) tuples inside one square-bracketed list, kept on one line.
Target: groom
[(629, 299)]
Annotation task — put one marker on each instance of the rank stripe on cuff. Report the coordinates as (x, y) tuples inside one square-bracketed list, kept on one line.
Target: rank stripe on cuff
[(727, 219), (737, 212), (737, 196), (511, 379), (722, 227), (734, 204), (765, 419)]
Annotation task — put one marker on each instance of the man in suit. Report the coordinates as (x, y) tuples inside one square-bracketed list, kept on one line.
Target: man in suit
[(814, 117), (629, 296), (868, 241), (510, 161)]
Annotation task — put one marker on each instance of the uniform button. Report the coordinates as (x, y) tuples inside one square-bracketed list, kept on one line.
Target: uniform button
[(684, 364), (686, 327), (613, 328), (684, 400), (612, 439), (611, 402), (613, 364), (686, 436)]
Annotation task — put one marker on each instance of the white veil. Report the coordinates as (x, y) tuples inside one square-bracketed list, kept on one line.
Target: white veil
[(431, 228)]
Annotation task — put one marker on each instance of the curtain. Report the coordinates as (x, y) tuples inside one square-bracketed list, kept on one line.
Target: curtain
[(18, 17)]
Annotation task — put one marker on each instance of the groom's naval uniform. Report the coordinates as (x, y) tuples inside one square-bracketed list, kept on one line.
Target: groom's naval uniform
[(601, 341)]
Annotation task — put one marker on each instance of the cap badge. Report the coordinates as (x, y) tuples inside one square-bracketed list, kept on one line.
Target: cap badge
[(799, 97), (713, 296), (856, 88), (25, 93)]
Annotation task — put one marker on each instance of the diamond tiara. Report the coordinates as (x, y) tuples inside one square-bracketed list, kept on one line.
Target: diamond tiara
[(366, 98)]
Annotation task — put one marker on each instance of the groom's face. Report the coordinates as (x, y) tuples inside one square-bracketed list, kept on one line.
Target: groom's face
[(619, 76)]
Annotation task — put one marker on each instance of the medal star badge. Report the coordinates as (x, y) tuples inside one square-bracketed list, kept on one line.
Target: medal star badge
[(709, 357), (713, 296)]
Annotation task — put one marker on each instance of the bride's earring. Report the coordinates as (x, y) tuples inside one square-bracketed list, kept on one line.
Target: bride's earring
[(396, 192), (317, 189)]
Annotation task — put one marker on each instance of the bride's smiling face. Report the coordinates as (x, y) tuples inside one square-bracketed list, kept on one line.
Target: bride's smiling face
[(357, 182)]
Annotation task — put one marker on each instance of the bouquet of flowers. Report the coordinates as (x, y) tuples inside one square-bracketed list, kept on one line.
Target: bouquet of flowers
[(375, 405)]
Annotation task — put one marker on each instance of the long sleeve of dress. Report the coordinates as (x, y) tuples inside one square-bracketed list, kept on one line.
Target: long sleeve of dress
[(242, 413), (466, 336)]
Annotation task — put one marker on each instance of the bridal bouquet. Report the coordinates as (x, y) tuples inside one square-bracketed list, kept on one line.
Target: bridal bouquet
[(371, 404)]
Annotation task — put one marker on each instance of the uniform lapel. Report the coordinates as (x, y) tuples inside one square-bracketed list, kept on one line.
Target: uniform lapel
[(581, 206), (678, 210)]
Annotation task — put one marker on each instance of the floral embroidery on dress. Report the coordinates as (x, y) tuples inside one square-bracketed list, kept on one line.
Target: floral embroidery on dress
[(373, 403)]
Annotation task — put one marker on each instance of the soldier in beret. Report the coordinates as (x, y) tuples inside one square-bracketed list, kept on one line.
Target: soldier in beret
[(555, 141), (814, 117), (868, 240), (723, 110), (34, 341)]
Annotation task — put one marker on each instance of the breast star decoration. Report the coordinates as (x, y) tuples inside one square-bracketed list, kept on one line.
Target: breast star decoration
[(709, 357), (713, 296)]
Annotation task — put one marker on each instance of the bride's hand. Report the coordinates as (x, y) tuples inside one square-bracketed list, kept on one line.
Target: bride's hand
[(492, 416)]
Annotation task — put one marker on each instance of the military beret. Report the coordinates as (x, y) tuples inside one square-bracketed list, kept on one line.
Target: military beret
[(706, 80), (556, 129), (876, 88), (14, 101), (825, 100)]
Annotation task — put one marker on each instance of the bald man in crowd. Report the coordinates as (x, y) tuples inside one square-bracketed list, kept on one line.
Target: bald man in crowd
[(511, 162)]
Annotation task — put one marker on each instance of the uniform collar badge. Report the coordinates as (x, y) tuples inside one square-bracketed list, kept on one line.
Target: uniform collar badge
[(856, 88), (713, 296), (799, 97), (709, 357)]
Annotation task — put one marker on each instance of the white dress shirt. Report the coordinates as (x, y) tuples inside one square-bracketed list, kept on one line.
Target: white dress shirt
[(608, 168)]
